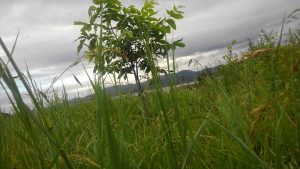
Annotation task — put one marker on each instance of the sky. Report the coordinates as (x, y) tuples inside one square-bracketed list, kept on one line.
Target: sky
[(46, 42)]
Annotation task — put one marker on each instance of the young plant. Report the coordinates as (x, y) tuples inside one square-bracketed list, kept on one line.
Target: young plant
[(121, 31)]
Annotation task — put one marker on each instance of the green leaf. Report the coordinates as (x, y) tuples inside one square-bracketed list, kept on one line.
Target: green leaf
[(171, 22), (87, 27), (83, 33), (126, 34), (91, 9), (174, 14), (163, 29), (149, 4), (151, 12), (92, 45), (93, 19), (79, 23), (97, 2), (77, 80), (81, 43), (179, 43)]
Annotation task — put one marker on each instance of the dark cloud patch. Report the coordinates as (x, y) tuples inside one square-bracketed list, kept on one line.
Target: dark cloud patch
[(46, 30), (46, 48), (36, 14), (224, 21)]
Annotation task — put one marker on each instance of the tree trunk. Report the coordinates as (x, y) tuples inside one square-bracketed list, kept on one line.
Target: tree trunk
[(137, 81), (140, 91)]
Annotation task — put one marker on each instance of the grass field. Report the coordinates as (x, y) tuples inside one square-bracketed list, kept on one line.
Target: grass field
[(244, 116)]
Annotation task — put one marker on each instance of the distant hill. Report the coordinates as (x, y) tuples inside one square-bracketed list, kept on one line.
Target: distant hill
[(4, 114), (187, 76), (184, 76)]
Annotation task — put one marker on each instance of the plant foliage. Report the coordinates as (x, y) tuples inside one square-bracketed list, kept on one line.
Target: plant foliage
[(116, 37)]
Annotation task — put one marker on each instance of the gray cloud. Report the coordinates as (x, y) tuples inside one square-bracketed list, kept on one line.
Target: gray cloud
[(225, 21), (47, 31)]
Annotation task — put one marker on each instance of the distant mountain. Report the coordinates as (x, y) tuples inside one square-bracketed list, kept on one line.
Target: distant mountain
[(187, 76), (4, 114), (184, 76)]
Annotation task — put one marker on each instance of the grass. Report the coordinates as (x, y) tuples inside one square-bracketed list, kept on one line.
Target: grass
[(244, 116)]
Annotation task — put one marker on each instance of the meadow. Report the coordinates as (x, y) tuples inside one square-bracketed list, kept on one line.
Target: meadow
[(246, 115)]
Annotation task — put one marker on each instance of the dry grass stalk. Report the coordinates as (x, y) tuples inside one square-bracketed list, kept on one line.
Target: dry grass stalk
[(256, 115), (295, 67), (254, 54)]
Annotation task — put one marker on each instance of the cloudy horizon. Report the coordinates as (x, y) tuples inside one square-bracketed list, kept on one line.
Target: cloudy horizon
[(46, 42)]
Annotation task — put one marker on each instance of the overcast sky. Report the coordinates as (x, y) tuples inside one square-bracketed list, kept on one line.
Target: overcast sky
[(47, 31)]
